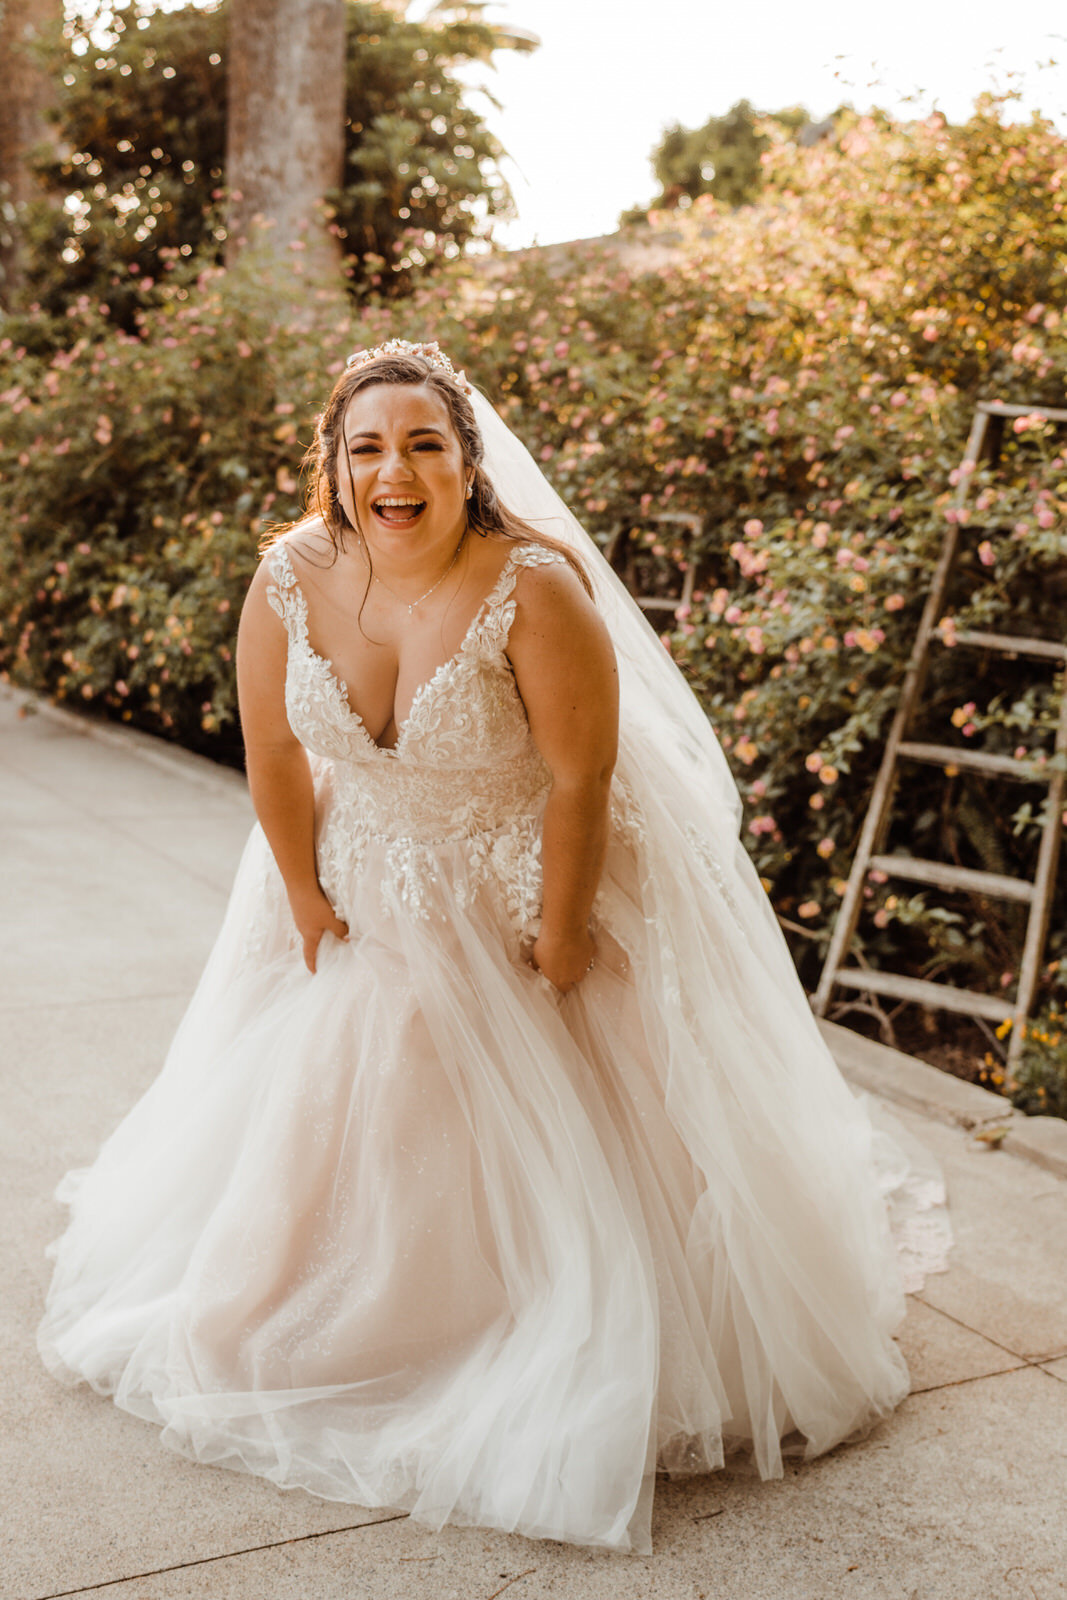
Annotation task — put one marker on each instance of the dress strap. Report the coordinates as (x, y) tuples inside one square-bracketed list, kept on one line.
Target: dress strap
[(285, 595), (498, 612)]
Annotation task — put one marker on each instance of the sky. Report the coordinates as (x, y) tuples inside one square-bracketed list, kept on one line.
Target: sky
[(581, 115)]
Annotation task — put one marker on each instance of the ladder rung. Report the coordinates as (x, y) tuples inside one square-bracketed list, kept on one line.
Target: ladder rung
[(946, 755), (1009, 645), (946, 876), (939, 996), (999, 408)]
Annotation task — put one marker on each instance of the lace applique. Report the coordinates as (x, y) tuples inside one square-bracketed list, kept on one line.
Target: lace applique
[(464, 770), (627, 818), (285, 595), (705, 854), (513, 859), (272, 919), (410, 872)]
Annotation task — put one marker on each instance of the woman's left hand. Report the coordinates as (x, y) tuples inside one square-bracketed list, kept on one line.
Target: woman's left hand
[(564, 962)]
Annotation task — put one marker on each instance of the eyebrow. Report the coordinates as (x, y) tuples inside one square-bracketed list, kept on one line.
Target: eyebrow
[(367, 433)]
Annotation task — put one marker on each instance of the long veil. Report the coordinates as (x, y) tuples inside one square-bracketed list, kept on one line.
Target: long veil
[(711, 941), (662, 718)]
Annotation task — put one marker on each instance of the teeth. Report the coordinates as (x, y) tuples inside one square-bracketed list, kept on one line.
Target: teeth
[(392, 502)]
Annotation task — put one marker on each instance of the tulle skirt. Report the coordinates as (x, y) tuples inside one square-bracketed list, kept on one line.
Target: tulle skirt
[(417, 1231)]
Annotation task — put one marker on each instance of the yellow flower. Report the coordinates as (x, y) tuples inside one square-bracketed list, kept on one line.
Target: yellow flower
[(1004, 1029)]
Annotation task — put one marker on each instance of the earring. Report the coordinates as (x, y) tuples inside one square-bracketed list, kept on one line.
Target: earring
[(470, 490)]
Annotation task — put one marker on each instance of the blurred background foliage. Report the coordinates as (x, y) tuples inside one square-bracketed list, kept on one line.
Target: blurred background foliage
[(138, 172), (773, 395), (723, 158)]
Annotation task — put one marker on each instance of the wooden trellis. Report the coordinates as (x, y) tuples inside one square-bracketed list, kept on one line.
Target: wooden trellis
[(621, 551)]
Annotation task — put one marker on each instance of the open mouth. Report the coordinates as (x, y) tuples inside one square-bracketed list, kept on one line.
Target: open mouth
[(398, 511)]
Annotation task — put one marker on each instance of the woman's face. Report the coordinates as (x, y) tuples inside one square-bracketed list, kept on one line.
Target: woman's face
[(400, 471)]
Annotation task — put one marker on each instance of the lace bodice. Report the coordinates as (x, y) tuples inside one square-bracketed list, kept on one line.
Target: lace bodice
[(464, 764)]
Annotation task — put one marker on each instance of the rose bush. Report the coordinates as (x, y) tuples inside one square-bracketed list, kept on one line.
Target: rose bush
[(798, 377)]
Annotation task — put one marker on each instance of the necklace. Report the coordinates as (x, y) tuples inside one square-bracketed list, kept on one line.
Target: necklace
[(411, 604)]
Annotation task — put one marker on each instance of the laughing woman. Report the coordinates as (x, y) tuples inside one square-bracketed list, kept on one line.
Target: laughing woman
[(498, 1161)]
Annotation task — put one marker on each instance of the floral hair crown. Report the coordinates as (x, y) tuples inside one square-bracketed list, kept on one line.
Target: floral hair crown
[(431, 353)]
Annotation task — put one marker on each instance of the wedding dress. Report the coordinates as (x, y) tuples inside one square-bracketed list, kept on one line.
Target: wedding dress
[(419, 1232)]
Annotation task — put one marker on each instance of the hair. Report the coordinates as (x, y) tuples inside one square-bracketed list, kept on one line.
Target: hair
[(485, 512)]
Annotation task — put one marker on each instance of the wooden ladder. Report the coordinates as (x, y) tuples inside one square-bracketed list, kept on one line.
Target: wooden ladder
[(986, 431)]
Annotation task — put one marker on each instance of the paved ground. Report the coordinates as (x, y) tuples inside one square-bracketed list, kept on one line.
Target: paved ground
[(116, 861)]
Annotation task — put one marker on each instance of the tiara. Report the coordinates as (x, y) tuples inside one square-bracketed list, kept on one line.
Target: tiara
[(431, 353)]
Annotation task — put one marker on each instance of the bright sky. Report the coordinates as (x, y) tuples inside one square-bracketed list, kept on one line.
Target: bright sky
[(582, 113)]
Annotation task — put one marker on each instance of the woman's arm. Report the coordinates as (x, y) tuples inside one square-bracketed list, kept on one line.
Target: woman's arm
[(278, 773), (565, 669)]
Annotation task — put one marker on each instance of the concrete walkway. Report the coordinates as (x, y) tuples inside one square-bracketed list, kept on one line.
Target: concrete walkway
[(117, 856)]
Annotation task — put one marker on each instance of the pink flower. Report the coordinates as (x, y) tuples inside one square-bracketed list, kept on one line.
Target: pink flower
[(810, 908), (825, 847), (1046, 518), (753, 528), (894, 602)]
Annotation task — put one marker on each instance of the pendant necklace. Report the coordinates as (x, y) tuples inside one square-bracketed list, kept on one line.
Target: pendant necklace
[(411, 604)]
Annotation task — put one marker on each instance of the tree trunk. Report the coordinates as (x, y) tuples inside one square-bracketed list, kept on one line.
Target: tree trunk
[(285, 132), (26, 92)]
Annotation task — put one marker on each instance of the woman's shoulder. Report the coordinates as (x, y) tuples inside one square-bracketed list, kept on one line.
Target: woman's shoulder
[(528, 553), (545, 575), (550, 595), (307, 541)]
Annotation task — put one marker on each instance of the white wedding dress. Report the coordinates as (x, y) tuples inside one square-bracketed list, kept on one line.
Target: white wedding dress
[(417, 1231)]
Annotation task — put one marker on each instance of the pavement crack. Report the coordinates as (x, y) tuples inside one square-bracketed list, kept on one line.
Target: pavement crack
[(225, 1555), (519, 1575)]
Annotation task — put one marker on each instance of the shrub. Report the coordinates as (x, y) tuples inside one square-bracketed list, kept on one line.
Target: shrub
[(798, 375)]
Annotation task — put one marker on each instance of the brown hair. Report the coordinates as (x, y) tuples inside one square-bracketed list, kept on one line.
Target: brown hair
[(485, 513)]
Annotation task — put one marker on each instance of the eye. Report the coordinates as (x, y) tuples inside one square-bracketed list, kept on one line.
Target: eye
[(428, 444), (361, 450)]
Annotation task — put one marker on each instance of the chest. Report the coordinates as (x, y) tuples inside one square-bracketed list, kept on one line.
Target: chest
[(467, 714)]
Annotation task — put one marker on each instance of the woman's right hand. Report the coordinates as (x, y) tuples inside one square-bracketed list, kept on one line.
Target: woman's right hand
[(314, 916)]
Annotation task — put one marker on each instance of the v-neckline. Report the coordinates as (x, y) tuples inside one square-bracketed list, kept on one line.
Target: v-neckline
[(340, 687)]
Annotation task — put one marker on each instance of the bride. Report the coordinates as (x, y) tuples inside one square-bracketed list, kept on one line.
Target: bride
[(498, 1160)]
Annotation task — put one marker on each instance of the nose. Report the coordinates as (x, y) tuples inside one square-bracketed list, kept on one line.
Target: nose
[(394, 466)]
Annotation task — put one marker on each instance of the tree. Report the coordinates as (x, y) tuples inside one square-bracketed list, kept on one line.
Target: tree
[(142, 107), (285, 140), (722, 158), (26, 92)]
